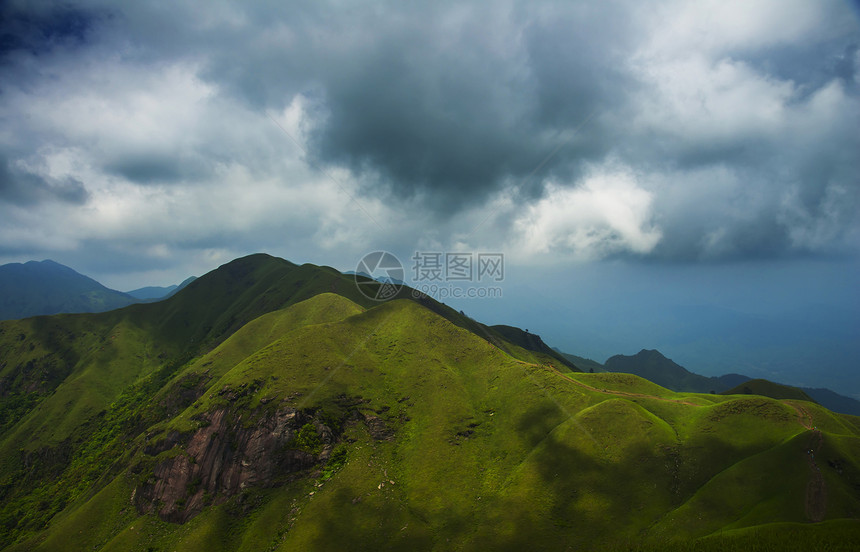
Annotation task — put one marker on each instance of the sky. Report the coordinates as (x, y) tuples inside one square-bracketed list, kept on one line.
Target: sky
[(655, 173)]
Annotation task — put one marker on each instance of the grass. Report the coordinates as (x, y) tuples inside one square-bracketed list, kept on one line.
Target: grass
[(768, 389), (494, 452), (488, 449)]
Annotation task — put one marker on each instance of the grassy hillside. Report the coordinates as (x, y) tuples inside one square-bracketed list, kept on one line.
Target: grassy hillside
[(768, 389), (157, 293), (151, 292), (325, 423), (833, 401), (532, 342), (584, 364), (652, 365), (78, 364)]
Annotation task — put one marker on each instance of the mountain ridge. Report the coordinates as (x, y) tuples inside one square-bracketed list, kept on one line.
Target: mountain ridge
[(271, 405), (43, 288), (768, 389), (654, 366), (157, 293)]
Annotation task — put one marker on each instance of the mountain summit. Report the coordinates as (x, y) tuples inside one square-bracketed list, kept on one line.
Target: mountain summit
[(273, 406), (37, 288), (653, 366)]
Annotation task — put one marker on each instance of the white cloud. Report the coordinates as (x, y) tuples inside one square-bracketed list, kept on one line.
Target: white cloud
[(694, 99), (167, 127), (719, 27), (112, 106), (608, 213), (251, 188)]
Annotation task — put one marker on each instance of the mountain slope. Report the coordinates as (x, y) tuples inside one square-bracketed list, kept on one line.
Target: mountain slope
[(284, 414), (833, 401), (151, 292), (79, 364), (584, 364), (154, 293), (182, 285), (531, 342), (653, 366), (39, 288), (770, 389)]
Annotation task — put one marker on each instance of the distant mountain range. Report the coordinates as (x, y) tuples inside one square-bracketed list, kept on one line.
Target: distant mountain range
[(47, 287), (653, 366), (770, 389), (150, 293), (380, 279), (274, 406)]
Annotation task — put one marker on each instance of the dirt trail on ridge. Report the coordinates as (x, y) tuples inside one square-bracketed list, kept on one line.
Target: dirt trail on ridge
[(816, 490)]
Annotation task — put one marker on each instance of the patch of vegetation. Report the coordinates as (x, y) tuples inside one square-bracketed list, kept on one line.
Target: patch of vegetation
[(15, 406), (30, 504), (308, 439), (335, 463)]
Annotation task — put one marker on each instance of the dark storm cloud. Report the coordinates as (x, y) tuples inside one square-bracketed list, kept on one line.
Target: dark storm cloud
[(846, 66), (144, 168), (455, 113), (453, 108), (452, 104), (577, 60), (21, 187), (715, 238), (436, 99), (809, 66), (39, 27)]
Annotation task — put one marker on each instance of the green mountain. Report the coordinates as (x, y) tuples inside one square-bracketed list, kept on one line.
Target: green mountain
[(770, 389), (652, 365), (833, 401), (38, 288), (584, 364), (531, 342), (151, 292), (271, 406)]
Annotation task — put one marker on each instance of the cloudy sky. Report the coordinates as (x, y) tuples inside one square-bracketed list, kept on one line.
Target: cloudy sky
[(699, 153)]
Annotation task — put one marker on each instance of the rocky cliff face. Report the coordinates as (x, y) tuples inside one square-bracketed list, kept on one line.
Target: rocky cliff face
[(223, 457)]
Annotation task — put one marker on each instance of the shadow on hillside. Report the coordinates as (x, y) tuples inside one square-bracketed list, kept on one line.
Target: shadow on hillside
[(352, 521), (569, 491)]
